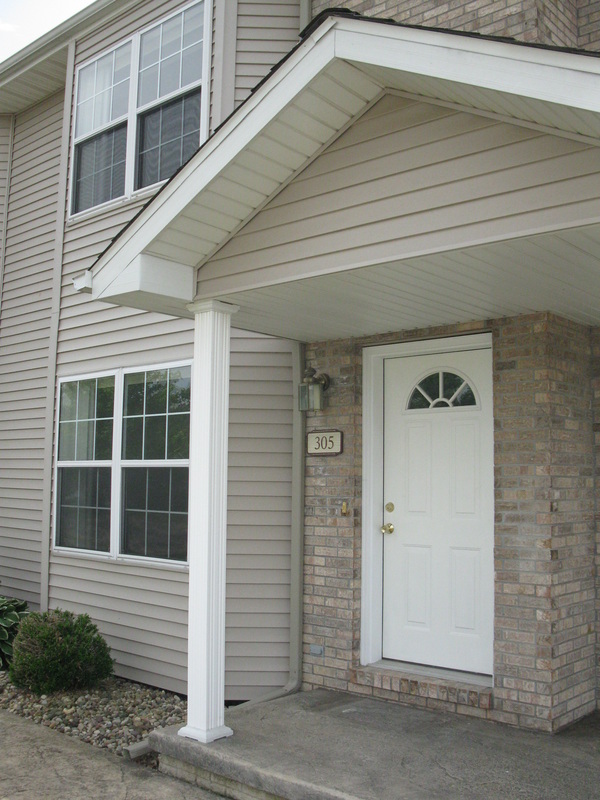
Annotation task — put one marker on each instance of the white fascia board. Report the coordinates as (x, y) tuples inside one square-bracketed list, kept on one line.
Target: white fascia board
[(305, 64), (158, 284), (83, 283), (563, 78)]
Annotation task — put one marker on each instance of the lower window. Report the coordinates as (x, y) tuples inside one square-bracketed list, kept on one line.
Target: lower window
[(84, 502), (123, 443), (154, 512)]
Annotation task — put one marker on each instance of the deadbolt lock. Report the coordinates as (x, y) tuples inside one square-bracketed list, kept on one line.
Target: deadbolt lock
[(389, 507), (387, 528)]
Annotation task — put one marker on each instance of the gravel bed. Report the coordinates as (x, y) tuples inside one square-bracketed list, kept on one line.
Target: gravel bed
[(114, 715)]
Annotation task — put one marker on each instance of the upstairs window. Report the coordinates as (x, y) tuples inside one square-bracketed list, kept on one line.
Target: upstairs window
[(137, 111)]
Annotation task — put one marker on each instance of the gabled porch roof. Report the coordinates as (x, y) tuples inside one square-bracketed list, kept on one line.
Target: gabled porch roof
[(341, 68)]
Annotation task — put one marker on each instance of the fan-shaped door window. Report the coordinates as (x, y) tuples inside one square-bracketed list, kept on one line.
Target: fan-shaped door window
[(441, 390)]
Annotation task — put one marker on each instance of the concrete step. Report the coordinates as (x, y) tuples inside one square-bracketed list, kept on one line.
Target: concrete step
[(226, 774)]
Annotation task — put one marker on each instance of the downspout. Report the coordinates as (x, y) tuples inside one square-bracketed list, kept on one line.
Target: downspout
[(297, 544), (305, 13), (11, 139), (49, 473)]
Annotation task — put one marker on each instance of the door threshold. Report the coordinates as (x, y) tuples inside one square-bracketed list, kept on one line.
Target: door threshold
[(426, 687), (452, 675)]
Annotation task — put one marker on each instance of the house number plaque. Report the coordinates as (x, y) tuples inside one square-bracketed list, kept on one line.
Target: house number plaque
[(324, 443)]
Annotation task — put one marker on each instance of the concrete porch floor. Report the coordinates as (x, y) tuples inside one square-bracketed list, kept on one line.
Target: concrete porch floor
[(326, 745)]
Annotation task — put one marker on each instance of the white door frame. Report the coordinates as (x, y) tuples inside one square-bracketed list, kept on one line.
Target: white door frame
[(372, 483)]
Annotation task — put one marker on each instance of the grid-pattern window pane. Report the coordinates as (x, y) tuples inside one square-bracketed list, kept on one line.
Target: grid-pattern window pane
[(168, 136), (156, 414), (103, 91), (83, 518), (171, 56), (100, 169), (85, 432), (154, 512), (85, 424)]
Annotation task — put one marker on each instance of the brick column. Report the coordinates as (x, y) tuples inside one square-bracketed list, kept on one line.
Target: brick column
[(332, 541), (544, 600)]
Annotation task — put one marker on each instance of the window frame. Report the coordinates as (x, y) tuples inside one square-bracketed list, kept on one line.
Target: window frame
[(134, 113), (117, 464)]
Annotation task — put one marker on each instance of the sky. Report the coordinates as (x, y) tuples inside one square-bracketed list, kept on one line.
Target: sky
[(23, 21)]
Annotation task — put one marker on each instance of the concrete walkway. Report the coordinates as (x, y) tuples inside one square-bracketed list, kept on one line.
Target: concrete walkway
[(319, 746), (326, 745), (37, 763)]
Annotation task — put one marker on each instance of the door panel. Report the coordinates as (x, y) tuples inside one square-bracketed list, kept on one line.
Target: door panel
[(438, 474)]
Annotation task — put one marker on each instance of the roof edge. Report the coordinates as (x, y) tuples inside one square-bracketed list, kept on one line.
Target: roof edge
[(349, 14), (58, 37)]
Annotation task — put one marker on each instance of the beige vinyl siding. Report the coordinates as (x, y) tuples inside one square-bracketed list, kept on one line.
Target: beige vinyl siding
[(266, 32), (259, 516), (25, 319), (410, 177), (142, 609), (93, 336)]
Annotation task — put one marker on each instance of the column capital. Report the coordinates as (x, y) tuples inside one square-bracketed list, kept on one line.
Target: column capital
[(212, 305)]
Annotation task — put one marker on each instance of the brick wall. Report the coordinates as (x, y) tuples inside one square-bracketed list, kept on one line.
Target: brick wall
[(544, 593), (596, 405), (566, 24), (558, 23), (588, 22)]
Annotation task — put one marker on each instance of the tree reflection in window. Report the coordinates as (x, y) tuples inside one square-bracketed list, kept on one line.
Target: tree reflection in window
[(441, 390)]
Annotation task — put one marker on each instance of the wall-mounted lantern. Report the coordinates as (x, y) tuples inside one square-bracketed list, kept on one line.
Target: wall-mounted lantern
[(310, 391)]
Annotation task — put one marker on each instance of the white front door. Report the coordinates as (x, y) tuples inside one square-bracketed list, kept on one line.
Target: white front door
[(438, 575)]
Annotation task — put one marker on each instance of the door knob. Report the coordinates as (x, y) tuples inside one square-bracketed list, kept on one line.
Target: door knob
[(387, 528)]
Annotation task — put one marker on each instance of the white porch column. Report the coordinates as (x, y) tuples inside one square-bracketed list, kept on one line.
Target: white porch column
[(208, 522)]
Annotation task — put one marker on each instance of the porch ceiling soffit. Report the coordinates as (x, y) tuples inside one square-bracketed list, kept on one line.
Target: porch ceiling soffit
[(327, 83), (556, 272)]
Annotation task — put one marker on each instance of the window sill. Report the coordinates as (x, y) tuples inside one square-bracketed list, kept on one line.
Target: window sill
[(120, 560), (113, 205)]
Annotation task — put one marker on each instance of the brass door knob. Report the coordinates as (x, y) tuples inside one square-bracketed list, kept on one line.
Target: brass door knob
[(387, 528)]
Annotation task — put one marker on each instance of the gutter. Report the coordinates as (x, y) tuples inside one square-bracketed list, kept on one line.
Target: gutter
[(3, 232), (305, 13)]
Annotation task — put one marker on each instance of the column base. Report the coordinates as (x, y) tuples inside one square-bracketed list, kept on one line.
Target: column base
[(200, 735)]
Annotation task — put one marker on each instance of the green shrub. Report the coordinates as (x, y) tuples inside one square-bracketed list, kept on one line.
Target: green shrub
[(11, 613), (59, 650)]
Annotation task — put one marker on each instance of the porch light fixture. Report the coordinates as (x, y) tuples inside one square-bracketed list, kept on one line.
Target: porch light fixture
[(310, 391)]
